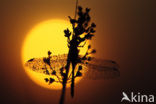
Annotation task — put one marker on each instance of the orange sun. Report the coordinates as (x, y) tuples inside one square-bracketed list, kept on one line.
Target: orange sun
[(45, 36)]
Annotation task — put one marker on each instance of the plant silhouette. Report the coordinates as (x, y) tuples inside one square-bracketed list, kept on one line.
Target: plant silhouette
[(83, 30)]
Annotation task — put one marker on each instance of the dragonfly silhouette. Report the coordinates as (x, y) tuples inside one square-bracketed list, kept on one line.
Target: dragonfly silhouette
[(65, 68), (96, 69)]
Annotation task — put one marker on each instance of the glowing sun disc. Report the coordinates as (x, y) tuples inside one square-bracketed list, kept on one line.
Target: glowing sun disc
[(45, 36)]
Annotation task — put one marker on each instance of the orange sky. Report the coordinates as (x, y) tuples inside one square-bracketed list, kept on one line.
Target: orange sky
[(125, 33)]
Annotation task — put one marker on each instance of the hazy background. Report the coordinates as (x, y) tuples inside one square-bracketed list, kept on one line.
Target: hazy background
[(126, 32)]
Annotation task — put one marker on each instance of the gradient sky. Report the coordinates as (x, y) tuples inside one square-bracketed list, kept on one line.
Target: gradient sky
[(126, 32)]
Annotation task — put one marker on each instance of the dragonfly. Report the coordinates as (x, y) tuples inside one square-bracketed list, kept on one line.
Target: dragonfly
[(97, 69)]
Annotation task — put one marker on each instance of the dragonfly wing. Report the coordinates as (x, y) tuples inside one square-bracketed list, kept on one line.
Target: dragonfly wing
[(106, 63), (38, 64), (102, 69)]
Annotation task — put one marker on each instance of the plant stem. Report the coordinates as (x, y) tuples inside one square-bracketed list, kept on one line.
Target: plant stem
[(76, 8), (73, 79), (64, 83)]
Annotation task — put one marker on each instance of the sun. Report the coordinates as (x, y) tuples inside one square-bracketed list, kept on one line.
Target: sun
[(46, 36)]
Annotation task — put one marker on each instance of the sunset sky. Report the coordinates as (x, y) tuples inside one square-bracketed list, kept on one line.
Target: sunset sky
[(125, 33)]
